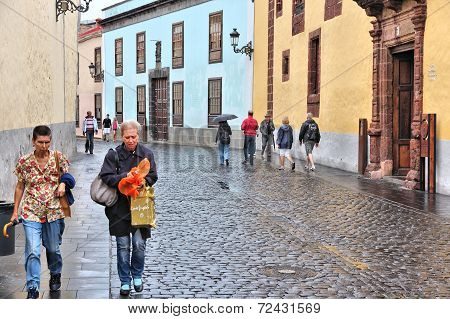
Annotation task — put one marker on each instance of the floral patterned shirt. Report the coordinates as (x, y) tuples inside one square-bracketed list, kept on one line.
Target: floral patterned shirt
[(39, 203)]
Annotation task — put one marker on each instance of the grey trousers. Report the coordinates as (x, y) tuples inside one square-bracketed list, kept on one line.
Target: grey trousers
[(267, 144)]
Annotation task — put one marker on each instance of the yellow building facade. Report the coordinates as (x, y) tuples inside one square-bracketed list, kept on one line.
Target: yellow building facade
[(338, 58), (38, 68)]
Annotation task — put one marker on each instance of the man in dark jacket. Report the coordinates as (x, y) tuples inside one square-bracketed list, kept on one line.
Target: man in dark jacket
[(310, 135), (267, 128), (249, 126), (130, 153)]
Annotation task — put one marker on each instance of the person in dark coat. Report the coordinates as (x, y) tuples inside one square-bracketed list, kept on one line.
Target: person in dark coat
[(310, 136), (130, 153), (267, 128), (223, 136), (285, 139)]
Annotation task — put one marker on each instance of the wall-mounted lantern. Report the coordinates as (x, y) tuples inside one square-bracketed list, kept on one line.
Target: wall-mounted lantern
[(101, 74), (247, 49), (62, 6)]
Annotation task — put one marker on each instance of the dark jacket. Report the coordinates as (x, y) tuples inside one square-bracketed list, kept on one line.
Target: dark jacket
[(305, 132), (106, 123), (119, 215), (267, 128), (223, 126), (285, 137), (69, 180)]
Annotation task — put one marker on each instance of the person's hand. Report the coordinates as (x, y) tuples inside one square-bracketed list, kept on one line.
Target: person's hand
[(96, 132), (84, 134), (317, 144), (14, 216), (61, 190)]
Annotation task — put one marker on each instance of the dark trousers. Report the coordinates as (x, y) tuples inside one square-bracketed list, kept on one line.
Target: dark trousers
[(249, 148), (89, 146), (267, 142)]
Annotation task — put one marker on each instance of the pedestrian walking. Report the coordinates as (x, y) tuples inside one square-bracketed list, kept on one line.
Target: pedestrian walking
[(130, 154), (90, 128), (285, 139), (106, 128), (37, 205), (310, 136), (267, 128), (223, 136), (250, 127), (115, 127)]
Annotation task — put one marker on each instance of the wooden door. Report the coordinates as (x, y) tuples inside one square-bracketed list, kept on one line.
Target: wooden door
[(403, 84), (160, 120)]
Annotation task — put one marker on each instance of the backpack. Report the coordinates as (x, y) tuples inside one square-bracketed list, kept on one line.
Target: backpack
[(224, 136), (311, 134)]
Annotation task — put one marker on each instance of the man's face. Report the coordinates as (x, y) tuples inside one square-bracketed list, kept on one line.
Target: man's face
[(42, 143), (131, 138), (267, 118)]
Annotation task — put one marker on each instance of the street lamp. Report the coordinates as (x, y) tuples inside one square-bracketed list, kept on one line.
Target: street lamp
[(62, 6), (93, 75), (246, 49)]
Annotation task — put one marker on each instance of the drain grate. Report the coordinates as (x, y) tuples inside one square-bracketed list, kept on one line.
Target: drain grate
[(289, 272)]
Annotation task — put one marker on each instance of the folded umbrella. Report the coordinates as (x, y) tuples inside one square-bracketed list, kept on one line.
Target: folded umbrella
[(224, 117)]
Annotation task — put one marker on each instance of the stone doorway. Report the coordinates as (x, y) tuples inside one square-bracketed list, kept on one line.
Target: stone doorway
[(398, 27)]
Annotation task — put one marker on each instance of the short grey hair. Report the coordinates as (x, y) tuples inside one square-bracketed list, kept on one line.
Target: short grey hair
[(130, 124), (309, 116)]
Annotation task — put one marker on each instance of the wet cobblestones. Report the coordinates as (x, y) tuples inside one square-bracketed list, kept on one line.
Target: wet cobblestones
[(222, 230), (251, 232)]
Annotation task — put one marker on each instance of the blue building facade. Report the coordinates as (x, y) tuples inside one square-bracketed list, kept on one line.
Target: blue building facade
[(170, 65)]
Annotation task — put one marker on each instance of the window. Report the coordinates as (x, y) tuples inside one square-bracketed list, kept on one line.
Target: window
[(98, 109), (140, 89), (177, 104), (314, 73), (98, 64), (298, 16), (214, 100), (119, 104), (118, 56), (285, 65), (77, 111), (177, 45), (333, 8), (215, 37), (279, 8), (140, 52)]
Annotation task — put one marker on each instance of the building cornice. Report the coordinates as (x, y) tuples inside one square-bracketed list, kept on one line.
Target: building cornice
[(147, 12)]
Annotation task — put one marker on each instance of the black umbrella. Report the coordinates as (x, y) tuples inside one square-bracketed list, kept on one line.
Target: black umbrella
[(225, 117)]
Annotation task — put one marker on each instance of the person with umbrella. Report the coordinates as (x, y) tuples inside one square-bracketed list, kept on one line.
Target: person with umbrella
[(223, 136)]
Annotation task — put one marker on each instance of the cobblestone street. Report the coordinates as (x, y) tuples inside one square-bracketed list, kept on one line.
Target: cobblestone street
[(255, 232)]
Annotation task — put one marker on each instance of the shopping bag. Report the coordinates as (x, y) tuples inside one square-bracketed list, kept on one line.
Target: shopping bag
[(143, 208)]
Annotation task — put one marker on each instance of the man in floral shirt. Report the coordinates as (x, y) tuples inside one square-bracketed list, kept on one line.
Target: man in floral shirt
[(36, 203)]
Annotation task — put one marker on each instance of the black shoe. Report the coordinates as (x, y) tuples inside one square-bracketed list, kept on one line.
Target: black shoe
[(91, 153), (293, 166), (33, 293), (86, 151), (227, 162), (55, 282), (244, 162)]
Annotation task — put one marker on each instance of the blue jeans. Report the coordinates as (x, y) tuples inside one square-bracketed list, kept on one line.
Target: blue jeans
[(51, 236), (136, 268), (89, 146), (249, 147), (224, 152)]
